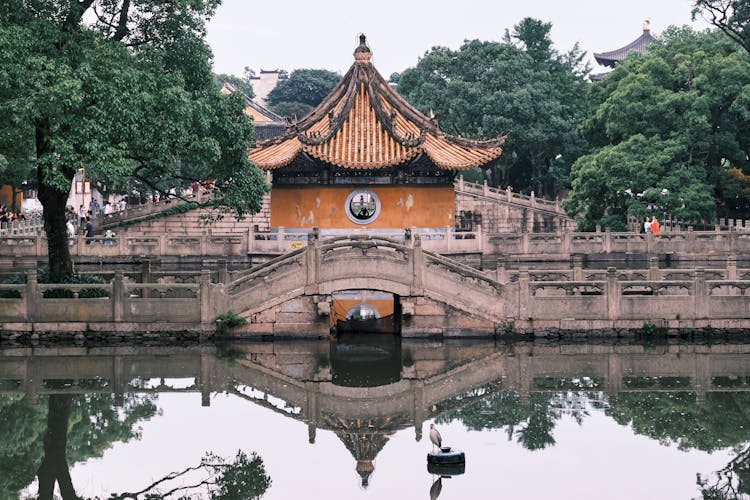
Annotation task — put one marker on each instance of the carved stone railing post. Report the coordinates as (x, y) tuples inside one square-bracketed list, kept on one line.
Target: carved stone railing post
[(417, 266), (39, 242), (565, 237), (524, 294), (118, 297), (701, 297), (613, 294), (577, 263), (223, 271), (204, 295), (501, 271), (733, 237), (251, 237), (485, 188), (32, 296), (732, 267), (607, 240), (312, 262), (654, 273), (146, 277), (481, 238)]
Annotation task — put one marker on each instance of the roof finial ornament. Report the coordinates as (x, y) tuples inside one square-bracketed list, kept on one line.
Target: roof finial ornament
[(647, 25), (362, 53)]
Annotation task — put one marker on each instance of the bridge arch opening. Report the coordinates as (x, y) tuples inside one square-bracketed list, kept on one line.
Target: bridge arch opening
[(365, 311)]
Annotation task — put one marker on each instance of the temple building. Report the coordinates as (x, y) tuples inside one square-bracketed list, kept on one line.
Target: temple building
[(639, 45), (366, 159)]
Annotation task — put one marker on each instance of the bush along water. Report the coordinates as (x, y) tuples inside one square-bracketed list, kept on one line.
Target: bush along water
[(226, 322)]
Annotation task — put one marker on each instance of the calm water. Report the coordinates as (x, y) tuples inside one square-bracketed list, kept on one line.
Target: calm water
[(350, 419)]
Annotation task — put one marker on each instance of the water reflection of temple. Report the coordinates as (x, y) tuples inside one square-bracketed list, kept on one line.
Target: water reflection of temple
[(296, 379)]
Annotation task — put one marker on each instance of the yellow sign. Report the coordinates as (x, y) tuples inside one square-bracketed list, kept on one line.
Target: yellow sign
[(296, 245)]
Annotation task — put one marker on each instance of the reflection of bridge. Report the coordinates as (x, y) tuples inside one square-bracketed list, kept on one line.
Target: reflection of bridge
[(295, 379)]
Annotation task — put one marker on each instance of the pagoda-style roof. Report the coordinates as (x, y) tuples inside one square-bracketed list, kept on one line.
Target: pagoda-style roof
[(365, 124), (639, 45)]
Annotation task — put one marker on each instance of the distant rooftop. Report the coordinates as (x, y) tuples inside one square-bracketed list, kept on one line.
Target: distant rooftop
[(639, 45)]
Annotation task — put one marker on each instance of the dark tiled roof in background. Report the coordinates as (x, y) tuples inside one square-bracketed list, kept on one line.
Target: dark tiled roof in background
[(612, 57)]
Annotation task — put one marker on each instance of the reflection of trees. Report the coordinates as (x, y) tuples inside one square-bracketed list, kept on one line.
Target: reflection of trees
[(74, 428), (531, 424), (722, 421), (244, 478), (21, 427), (730, 483)]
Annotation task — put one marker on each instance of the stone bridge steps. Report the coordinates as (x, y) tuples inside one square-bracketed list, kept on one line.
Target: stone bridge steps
[(191, 224)]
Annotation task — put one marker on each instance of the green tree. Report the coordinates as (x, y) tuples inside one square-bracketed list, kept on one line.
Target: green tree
[(302, 91), (663, 126), (520, 86), (730, 16), (123, 89)]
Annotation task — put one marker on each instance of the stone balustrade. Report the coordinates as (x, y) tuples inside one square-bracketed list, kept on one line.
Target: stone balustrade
[(438, 295)]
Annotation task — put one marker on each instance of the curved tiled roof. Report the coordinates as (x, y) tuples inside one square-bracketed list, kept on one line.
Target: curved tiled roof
[(363, 123), (639, 45)]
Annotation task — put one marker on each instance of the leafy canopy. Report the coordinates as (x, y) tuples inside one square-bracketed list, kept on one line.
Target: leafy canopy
[(520, 86), (663, 127), (302, 91), (124, 90)]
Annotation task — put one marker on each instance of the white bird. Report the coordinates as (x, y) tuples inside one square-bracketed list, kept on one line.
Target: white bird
[(435, 437)]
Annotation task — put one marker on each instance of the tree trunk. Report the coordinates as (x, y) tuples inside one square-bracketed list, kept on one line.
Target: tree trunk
[(59, 261), (54, 467), (54, 203)]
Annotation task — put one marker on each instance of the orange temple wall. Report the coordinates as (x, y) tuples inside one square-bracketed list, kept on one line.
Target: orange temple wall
[(401, 207)]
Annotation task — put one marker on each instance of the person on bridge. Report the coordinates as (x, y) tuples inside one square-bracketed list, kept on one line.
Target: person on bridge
[(655, 227), (89, 231), (646, 225)]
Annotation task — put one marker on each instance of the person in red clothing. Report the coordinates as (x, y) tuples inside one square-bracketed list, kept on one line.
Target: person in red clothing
[(655, 226)]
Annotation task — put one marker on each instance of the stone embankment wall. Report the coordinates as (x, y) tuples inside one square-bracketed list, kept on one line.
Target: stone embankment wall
[(292, 295)]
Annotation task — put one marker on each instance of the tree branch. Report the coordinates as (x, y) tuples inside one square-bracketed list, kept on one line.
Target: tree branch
[(122, 24)]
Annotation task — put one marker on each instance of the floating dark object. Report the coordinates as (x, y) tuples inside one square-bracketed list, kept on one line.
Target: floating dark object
[(448, 462)]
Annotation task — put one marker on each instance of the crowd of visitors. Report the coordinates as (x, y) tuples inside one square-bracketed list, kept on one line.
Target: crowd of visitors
[(9, 216)]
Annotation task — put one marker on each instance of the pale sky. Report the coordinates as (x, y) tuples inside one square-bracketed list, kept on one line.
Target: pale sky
[(322, 34)]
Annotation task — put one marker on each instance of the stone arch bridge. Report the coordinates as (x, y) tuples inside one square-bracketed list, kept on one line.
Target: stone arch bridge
[(437, 295)]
